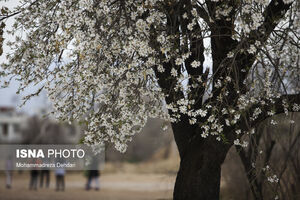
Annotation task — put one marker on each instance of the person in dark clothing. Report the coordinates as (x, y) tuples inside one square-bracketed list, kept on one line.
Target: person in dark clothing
[(33, 179), (46, 173), (60, 179), (8, 171), (93, 175)]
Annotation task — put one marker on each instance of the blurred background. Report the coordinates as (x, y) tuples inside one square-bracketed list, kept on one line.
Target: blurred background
[(148, 169)]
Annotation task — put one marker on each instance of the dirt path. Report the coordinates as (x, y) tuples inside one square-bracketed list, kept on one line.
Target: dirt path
[(113, 187)]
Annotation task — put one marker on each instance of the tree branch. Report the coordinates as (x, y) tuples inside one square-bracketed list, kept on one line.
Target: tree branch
[(273, 14), (280, 105)]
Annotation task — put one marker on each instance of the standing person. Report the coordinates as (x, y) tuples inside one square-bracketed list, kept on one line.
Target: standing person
[(46, 173), (34, 174), (93, 175), (60, 179), (8, 171)]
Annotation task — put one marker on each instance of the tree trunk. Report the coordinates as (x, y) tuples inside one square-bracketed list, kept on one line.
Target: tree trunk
[(200, 169)]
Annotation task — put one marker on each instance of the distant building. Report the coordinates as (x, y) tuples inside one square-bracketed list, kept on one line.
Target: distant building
[(11, 124), (52, 132), (18, 128)]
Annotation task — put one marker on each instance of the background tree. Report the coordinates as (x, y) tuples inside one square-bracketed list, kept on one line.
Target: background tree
[(136, 57), (270, 163)]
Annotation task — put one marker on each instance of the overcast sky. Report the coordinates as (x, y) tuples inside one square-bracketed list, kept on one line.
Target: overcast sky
[(8, 95)]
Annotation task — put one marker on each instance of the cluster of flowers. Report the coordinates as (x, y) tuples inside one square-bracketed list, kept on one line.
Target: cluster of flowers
[(98, 61)]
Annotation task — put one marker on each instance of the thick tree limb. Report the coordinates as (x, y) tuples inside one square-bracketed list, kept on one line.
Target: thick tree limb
[(281, 105), (273, 14), (167, 82), (239, 66), (196, 48)]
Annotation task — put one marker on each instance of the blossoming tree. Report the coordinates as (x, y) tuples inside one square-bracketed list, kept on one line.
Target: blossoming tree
[(213, 68)]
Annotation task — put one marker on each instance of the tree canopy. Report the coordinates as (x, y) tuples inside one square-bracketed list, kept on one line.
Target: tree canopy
[(215, 65)]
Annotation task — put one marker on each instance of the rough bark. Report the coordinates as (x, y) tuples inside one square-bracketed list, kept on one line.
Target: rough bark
[(200, 168), (201, 159)]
